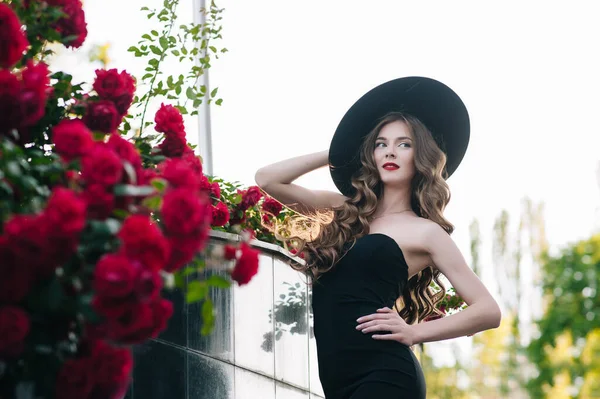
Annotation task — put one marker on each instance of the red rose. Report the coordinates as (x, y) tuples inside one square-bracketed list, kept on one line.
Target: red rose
[(65, 212), (102, 116), (35, 77), (185, 213), (173, 146), (246, 266), (179, 174), (147, 174), (294, 252), (9, 107), (168, 120), (184, 249), (17, 277), (100, 202), (148, 285), (114, 277), (33, 94), (144, 241), (204, 184), (72, 139), (272, 206), (215, 191), (250, 197), (141, 322), (192, 160), (112, 308), (111, 364), (28, 236), (220, 214), (73, 24), (267, 220), (116, 87), (127, 152), (230, 252), (125, 149), (31, 107), (14, 328), (112, 371), (102, 166), (14, 42), (75, 379)]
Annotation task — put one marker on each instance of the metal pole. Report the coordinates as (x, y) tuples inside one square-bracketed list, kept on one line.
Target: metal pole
[(204, 125)]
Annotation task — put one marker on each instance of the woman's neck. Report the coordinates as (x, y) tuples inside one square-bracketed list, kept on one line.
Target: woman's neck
[(394, 200)]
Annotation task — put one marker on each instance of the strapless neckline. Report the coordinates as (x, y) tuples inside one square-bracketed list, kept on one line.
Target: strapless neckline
[(389, 239)]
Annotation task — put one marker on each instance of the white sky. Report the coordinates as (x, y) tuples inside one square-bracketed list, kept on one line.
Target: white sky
[(528, 71)]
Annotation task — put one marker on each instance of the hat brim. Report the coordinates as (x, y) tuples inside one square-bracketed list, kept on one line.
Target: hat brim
[(436, 105)]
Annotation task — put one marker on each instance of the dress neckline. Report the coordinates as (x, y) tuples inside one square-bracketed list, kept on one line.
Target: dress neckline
[(389, 238)]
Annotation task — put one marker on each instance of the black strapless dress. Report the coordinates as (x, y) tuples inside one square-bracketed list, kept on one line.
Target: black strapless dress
[(352, 365)]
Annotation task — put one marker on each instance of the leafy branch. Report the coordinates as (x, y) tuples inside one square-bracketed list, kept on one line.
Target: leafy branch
[(188, 44)]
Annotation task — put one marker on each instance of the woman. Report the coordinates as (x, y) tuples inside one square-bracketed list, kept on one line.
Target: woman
[(387, 240)]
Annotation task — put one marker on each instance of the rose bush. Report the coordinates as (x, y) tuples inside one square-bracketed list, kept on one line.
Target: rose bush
[(94, 223)]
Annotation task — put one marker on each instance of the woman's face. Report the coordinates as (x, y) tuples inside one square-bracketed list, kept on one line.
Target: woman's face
[(394, 154)]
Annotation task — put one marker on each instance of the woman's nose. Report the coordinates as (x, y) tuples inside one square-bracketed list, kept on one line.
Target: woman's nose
[(391, 153)]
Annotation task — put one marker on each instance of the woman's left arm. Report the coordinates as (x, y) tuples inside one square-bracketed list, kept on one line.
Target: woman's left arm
[(482, 313)]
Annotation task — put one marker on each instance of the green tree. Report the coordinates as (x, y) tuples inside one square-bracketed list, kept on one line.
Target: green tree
[(567, 348)]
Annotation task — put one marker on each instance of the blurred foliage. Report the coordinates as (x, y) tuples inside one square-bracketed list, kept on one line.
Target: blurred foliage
[(567, 350)]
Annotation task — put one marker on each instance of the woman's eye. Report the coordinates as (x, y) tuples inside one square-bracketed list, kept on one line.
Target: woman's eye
[(405, 145), (377, 145)]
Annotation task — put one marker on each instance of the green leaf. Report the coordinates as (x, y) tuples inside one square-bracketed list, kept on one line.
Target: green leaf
[(120, 213), (197, 290), (190, 93), (159, 184), (164, 43), (208, 317), (155, 50), (218, 281), (153, 203), (179, 279), (219, 101), (214, 92), (155, 33)]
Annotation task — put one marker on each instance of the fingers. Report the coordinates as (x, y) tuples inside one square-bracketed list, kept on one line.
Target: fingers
[(375, 326), (385, 337), (374, 316), (383, 313)]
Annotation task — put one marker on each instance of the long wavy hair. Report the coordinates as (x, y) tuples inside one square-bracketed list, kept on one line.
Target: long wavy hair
[(323, 238)]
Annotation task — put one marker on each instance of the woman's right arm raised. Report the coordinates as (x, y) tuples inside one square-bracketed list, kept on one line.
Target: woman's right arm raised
[(276, 180)]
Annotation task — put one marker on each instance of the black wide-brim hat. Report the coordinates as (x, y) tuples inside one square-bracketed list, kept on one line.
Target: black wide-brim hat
[(436, 105)]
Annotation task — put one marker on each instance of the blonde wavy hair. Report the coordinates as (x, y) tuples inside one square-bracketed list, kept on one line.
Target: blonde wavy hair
[(322, 237)]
